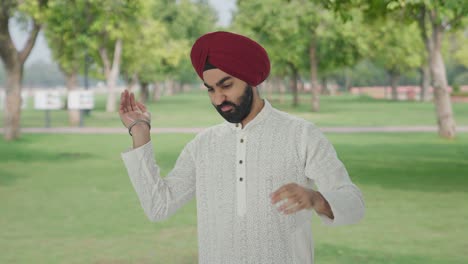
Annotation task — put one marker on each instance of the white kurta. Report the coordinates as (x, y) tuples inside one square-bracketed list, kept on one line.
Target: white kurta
[(232, 171)]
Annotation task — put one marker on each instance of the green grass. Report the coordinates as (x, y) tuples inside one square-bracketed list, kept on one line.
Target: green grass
[(195, 110), (67, 199)]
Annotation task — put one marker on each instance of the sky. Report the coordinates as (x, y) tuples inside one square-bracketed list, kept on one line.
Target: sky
[(41, 51)]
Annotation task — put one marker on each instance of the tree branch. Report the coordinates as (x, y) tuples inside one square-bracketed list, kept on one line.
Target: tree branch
[(7, 47), (105, 60), (117, 53), (24, 53), (456, 19)]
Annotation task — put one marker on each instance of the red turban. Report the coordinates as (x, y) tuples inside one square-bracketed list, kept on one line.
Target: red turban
[(234, 54)]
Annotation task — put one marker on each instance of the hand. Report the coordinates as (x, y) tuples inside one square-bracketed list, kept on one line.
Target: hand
[(299, 198), (130, 110)]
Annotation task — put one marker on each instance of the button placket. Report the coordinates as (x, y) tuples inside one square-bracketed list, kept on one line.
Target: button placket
[(240, 174)]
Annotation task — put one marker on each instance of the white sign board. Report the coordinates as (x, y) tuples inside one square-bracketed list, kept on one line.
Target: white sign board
[(24, 99), (47, 100), (83, 99)]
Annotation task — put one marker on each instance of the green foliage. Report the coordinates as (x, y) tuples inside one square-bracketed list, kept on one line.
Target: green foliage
[(67, 33), (288, 28), (395, 46), (159, 45)]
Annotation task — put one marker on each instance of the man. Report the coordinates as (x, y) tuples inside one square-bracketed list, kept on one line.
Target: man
[(253, 175)]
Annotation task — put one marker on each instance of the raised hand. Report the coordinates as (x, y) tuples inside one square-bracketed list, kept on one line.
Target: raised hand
[(130, 110)]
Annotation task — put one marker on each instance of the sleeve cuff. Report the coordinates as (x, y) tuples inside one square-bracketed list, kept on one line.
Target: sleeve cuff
[(133, 156), (347, 209)]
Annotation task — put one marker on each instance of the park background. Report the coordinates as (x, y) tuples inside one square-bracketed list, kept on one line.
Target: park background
[(366, 72)]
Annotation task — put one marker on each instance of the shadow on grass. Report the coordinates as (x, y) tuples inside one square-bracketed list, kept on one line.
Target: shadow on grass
[(344, 104), (14, 155), (25, 155), (8, 178), (326, 253), (420, 167)]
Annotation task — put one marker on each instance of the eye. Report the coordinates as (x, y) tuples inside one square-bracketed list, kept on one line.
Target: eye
[(210, 90), (226, 86)]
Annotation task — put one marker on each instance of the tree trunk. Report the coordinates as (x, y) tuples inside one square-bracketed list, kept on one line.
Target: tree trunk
[(144, 92), (282, 90), (293, 83), (156, 91), (112, 73), (348, 80), (13, 60), (324, 89), (269, 88), (71, 83), (425, 71), (169, 85), (313, 77), (12, 114), (300, 85), (425, 82), (394, 79), (445, 119)]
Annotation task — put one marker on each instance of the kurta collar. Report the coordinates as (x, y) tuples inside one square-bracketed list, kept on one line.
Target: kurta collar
[(260, 117)]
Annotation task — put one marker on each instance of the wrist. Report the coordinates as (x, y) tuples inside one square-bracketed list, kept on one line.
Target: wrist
[(321, 205), (139, 126)]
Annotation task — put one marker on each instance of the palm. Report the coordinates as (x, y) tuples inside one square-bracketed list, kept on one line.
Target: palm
[(130, 110)]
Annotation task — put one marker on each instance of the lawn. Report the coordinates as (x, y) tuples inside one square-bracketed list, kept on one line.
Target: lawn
[(67, 199), (193, 109)]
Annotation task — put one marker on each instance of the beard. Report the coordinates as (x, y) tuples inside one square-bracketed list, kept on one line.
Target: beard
[(238, 112)]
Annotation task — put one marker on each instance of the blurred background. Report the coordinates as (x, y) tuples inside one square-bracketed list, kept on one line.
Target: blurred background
[(387, 81)]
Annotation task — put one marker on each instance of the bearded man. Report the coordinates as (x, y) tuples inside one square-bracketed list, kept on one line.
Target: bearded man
[(257, 178)]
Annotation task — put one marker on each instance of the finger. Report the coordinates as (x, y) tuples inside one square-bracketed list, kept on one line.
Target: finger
[(127, 102), (122, 101), (280, 196), (293, 209), (286, 196), (132, 102), (290, 202), (141, 106), (280, 193)]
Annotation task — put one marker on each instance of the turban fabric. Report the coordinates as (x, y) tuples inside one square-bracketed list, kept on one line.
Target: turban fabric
[(234, 54)]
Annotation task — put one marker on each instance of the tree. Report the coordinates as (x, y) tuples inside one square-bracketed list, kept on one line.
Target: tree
[(291, 29), (14, 59), (186, 21), (275, 25), (435, 18), (67, 36), (395, 47), (108, 31)]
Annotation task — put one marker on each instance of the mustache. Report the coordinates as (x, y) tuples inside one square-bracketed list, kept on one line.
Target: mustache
[(226, 104)]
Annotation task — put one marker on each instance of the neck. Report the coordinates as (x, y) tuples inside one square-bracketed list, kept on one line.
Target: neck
[(257, 106)]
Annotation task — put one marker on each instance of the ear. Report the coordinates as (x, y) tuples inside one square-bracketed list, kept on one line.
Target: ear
[(256, 90)]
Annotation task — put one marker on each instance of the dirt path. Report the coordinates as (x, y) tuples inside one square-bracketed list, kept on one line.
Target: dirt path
[(100, 130)]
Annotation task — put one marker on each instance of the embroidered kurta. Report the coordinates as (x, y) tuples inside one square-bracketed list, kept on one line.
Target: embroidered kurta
[(232, 171)]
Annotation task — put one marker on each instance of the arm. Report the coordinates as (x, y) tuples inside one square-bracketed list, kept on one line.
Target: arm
[(159, 197), (332, 180)]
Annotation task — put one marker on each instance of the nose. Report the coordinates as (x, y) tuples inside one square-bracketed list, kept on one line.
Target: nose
[(218, 98)]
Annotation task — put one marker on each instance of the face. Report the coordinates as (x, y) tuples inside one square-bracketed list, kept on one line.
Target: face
[(231, 97)]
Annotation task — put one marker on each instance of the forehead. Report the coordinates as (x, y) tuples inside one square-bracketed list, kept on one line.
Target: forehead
[(212, 76)]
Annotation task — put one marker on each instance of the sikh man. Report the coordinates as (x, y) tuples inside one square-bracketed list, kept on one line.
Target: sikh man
[(257, 178)]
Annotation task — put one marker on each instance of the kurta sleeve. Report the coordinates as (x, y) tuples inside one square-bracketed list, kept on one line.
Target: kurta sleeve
[(160, 197), (331, 178)]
